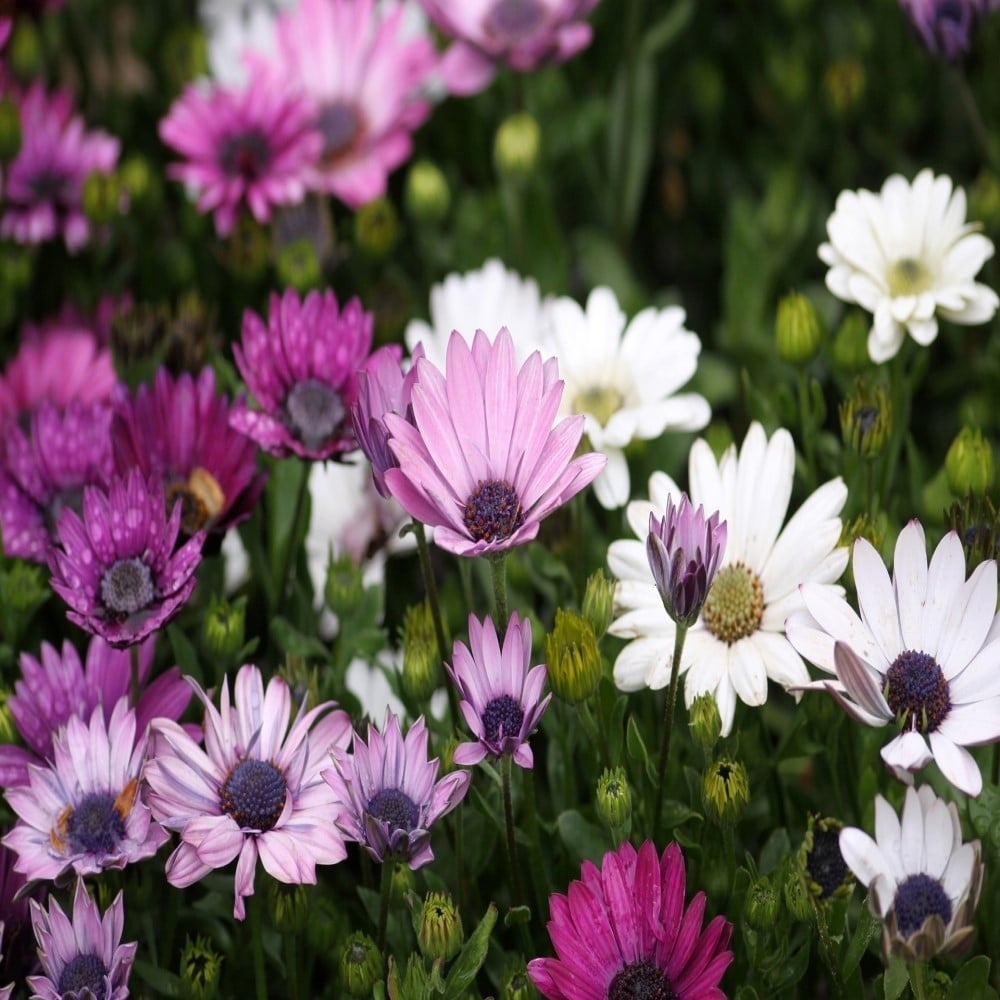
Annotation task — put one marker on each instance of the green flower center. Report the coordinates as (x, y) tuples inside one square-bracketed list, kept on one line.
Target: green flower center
[(601, 401), (908, 277), (735, 604)]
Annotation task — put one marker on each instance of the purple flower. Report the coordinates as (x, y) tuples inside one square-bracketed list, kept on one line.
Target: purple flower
[(500, 691), (85, 811), (19, 955), (301, 368), (83, 957), (255, 791), (946, 27), (623, 931), (179, 430), (116, 566), (389, 794), (481, 461), (684, 550)]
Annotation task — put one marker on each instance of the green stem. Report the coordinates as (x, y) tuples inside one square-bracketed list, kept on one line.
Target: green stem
[(506, 766), (256, 907), (668, 726), (808, 435), (729, 849), (288, 563), (498, 567), (633, 19), (968, 101), (292, 966), (539, 871), (918, 980), (385, 896)]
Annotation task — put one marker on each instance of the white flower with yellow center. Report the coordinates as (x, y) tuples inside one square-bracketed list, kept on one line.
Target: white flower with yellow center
[(738, 642), (908, 256)]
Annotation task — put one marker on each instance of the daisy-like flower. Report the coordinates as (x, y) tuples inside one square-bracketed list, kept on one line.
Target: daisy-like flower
[(389, 793), (624, 379), (43, 186), (501, 693), (85, 812), (82, 956), (908, 256), (245, 146), (623, 930), (923, 882), (255, 791), (301, 368), (116, 566), (482, 462), (738, 641), (946, 27), (521, 34), (923, 653)]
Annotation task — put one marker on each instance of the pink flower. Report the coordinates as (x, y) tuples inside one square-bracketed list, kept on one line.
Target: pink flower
[(946, 27)]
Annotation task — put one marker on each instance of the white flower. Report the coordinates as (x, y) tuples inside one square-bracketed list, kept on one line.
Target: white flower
[(922, 652), (624, 380), (907, 255), (738, 642), (230, 37), (923, 882)]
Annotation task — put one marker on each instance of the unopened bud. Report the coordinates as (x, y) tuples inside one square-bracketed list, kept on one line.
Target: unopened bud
[(345, 587), (844, 84), (850, 344), (440, 934), (298, 265), (614, 800), (102, 195), (726, 790), (22, 586), (516, 146), (763, 903), (224, 628), (599, 602), (866, 419), (201, 967), (421, 657), (361, 965), (969, 463), (573, 658), (706, 723), (517, 984), (427, 197), (796, 330), (376, 228), (248, 249), (23, 54), (10, 130), (288, 904), (797, 897)]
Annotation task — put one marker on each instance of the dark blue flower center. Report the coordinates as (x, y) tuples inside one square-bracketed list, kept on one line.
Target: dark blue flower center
[(918, 898), (395, 808), (51, 185), (254, 794), (246, 155), (502, 717), (338, 124), (917, 691), (84, 972), (642, 980), (71, 496), (127, 587), (825, 863), (514, 20), (95, 826), (493, 512), (315, 411)]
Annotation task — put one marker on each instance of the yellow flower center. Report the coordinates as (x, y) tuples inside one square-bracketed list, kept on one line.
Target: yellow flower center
[(908, 277), (601, 401), (734, 605)]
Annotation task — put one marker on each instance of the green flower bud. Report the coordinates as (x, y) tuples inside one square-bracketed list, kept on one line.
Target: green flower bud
[(866, 419), (614, 800), (969, 463), (798, 899), (376, 228), (427, 197), (297, 265), (24, 50), (516, 984), (440, 934), (8, 727), (850, 344), (201, 966), (288, 904), (796, 330), (23, 587), (361, 965), (574, 660), (939, 986), (421, 659), (184, 55), (345, 586), (820, 864), (10, 130), (726, 790), (763, 904), (224, 628), (139, 181), (599, 602), (516, 146), (975, 520), (706, 723), (102, 195), (844, 85), (402, 882), (302, 679), (984, 199), (248, 249)]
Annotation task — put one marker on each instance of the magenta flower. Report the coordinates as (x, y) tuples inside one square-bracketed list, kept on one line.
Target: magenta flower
[(946, 27), (500, 691), (521, 34), (246, 147), (481, 461), (255, 791), (623, 931), (301, 368), (116, 566), (82, 957), (179, 430), (15, 913), (43, 187), (85, 812), (389, 794)]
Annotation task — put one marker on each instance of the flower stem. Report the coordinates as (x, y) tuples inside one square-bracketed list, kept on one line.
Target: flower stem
[(808, 430), (430, 586), (385, 896), (256, 906), (668, 726), (633, 23), (288, 563), (498, 567), (292, 965), (538, 869), (918, 980), (506, 766)]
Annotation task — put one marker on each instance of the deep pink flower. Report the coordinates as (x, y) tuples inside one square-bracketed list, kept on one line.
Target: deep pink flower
[(301, 368), (946, 27), (623, 931), (481, 462), (19, 955), (244, 147)]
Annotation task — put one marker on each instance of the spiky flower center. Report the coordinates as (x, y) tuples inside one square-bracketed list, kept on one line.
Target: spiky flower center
[(84, 972), (825, 863), (127, 587), (735, 604), (315, 411), (338, 123), (642, 980), (502, 717), (493, 512), (95, 826), (602, 402), (245, 155), (254, 794), (918, 898), (514, 20), (908, 276), (395, 808), (917, 691)]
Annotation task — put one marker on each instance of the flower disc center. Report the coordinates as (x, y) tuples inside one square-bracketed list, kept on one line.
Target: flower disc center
[(917, 691), (127, 587), (95, 826), (245, 155), (493, 512), (338, 123), (908, 276), (825, 863), (918, 898), (315, 411), (395, 808), (735, 604), (84, 972), (502, 718), (512, 21), (642, 980), (254, 794), (600, 401)]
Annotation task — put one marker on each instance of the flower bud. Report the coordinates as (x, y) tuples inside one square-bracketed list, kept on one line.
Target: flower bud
[(247, 249), (706, 723), (796, 330), (345, 587), (376, 228), (361, 965), (977, 524), (969, 463), (421, 658), (614, 800), (426, 197), (302, 680), (984, 199), (102, 195), (298, 266), (599, 602), (726, 790), (23, 54), (201, 966), (440, 934), (8, 727), (798, 899), (23, 586), (139, 181), (820, 862), (224, 628), (516, 984), (574, 660), (10, 130), (762, 905), (850, 344), (516, 146), (184, 55), (402, 883), (866, 419), (288, 905)]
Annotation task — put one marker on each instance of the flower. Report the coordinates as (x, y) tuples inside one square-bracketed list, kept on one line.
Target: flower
[(521, 34), (389, 794), (820, 863), (922, 653), (623, 930), (482, 462), (43, 186), (923, 882), (301, 368), (85, 811), (244, 147), (500, 692), (624, 379), (255, 790), (83, 956), (116, 566), (179, 430), (946, 27), (738, 641), (907, 255), (684, 550)]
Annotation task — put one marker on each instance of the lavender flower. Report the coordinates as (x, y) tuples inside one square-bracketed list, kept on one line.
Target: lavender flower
[(946, 27)]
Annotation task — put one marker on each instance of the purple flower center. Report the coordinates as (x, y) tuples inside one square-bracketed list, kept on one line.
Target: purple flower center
[(918, 898), (50, 185), (71, 496), (493, 512), (338, 123), (502, 717), (917, 691), (127, 587), (825, 863), (642, 980), (83, 972), (315, 411), (512, 21), (246, 155), (254, 794), (95, 826), (395, 808)]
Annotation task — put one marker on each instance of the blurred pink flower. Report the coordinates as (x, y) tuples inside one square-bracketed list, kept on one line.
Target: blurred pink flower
[(946, 27)]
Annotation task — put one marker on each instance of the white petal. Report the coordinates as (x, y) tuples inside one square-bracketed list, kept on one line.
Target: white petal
[(863, 856), (957, 764), (876, 599), (746, 671), (908, 751)]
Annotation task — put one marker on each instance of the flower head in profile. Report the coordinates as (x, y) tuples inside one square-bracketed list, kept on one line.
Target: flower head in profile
[(624, 930), (946, 27), (738, 642), (922, 654), (82, 956), (389, 793), (908, 256), (481, 461), (501, 693), (301, 368), (923, 882)]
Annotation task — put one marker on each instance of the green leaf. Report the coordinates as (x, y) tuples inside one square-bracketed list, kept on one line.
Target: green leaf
[(290, 640), (471, 957), (775, 850), (184, 652), (866, 931), (166, 983), (637, 749), (517, 915), (895, 979), (585, 840), (668, 29), (972, 981)]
